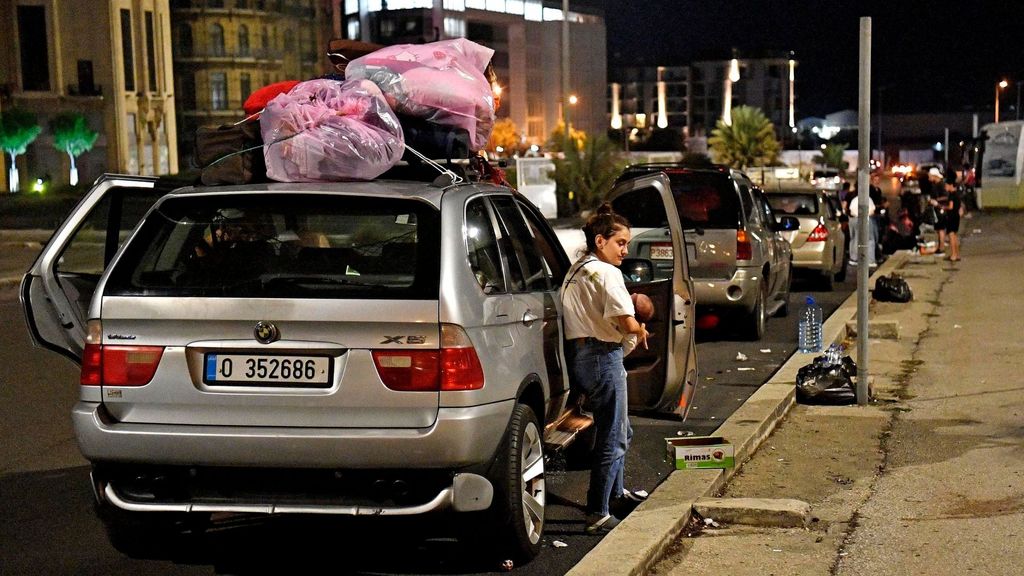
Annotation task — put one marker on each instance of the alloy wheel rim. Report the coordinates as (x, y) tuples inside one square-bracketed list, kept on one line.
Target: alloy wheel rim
[(531, 465)]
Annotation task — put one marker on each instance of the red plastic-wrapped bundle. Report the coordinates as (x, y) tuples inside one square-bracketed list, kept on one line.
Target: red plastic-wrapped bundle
[(329, 130), (441, 82)]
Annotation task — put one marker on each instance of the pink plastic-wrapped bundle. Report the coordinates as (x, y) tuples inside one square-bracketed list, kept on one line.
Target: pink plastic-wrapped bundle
[(329, 130), (441, 82)]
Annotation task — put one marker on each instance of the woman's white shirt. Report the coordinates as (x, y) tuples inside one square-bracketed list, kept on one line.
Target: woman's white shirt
[(592, 297)]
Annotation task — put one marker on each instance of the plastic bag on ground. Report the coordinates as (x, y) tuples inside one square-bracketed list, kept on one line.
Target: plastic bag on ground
[(441, 82), (325, 130), (829, 376)]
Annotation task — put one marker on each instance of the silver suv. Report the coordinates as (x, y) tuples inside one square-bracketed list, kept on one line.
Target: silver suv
[(362, 348), (739, 261)]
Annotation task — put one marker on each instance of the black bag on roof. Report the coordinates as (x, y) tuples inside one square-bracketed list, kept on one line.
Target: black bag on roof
[(231, 154)]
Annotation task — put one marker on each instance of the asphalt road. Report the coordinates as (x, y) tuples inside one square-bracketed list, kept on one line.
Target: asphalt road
[(47, 525)]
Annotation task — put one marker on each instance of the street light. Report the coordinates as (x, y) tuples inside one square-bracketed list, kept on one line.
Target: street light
[(1002, 84)]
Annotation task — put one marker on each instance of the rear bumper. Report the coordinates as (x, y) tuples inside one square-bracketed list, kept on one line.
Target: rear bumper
[(813, 256), (737, 293), (460, 437)]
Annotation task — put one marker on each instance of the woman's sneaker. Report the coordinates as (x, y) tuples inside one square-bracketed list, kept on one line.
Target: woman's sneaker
[(597, 524)]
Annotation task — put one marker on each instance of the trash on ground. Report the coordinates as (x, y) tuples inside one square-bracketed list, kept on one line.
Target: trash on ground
[(700, 452), (558, 544), (957, 326), (741, 357), (830, 375), (507, 565), (766, 350), (744, 369), (711, 522), (892, 288)]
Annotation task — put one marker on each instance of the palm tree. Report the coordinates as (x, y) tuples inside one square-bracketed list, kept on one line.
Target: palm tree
[(71, 135), (832, 157), (748, 141), (587, 169), (18, 129)]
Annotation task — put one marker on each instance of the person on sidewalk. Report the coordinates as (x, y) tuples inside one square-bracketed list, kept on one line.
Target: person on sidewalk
[(951, 203), (853, 209), (601, 330)]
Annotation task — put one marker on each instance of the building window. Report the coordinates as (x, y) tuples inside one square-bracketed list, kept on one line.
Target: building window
[(218, 91), (352, 28), (217, 40), (215, 3), (243, 40), (150, 52), (244, 86), (185, 39), (128, 56), (242, 4), (35, 50), (186, 95), (265, 41), (289, 41)]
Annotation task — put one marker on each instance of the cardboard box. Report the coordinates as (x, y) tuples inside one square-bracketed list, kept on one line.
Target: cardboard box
[(700, 452)]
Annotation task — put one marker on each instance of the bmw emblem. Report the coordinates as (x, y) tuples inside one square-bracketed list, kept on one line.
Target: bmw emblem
[(266, 332)]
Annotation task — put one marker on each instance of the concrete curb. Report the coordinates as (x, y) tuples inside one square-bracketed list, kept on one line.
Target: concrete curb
[(642, 538)]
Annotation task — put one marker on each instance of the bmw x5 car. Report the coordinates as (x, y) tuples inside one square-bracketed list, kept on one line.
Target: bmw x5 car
[(378, 348)]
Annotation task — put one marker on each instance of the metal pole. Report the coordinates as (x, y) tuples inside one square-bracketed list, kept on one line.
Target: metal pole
[(864, 219), (997, 103), (565, 66), (1018, 98), (945, 150)]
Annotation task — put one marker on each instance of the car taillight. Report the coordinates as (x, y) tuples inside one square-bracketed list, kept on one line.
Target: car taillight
[(105, 365), (455, 366), (744, 249), (819, 234)]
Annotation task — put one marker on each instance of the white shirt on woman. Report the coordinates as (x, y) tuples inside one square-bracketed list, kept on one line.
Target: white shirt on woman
[(593, 295)]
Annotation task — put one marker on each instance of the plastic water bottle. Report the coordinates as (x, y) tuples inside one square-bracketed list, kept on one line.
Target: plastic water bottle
[(809, 336)]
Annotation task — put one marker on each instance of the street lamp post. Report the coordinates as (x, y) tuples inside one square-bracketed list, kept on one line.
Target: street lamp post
[(1019, 82), (1002, 84)]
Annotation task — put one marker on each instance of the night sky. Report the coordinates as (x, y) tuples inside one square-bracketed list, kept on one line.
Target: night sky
[(927, 56)]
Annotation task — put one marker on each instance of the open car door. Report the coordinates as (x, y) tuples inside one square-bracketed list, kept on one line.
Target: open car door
[(58, 288), (663, 376)]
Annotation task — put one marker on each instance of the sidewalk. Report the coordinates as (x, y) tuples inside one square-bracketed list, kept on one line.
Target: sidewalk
[(925, 480)]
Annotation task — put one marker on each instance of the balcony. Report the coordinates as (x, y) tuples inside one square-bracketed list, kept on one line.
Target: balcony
[(252, 56)]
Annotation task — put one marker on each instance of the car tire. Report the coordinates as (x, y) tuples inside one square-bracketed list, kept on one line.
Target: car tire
[(519, 487), (841, 275), (758, 317), (828, 281)]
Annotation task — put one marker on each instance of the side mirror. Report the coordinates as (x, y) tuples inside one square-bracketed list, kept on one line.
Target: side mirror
[(787, 223), (637, 269)]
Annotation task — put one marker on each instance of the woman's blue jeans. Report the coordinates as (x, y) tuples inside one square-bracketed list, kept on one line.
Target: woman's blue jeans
[(597, 371)]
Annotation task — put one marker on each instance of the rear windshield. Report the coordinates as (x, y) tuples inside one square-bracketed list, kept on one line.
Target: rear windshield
[(283, 246), (794, 204), (706, 200)]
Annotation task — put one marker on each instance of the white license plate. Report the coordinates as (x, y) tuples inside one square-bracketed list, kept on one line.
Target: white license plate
[(250, 369), (661, 251)]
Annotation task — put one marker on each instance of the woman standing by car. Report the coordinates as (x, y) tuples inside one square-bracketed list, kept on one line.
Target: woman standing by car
[(601, 330)]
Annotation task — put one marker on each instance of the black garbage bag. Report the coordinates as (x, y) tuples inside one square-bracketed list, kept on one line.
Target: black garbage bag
[(892, 288), (829, 376)]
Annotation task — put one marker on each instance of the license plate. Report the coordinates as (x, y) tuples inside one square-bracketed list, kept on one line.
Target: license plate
[(254, 370), (661, 251)]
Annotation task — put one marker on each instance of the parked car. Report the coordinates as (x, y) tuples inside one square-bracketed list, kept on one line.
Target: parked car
[(363, 348), (819, 244), (827, 179), (738, 259)]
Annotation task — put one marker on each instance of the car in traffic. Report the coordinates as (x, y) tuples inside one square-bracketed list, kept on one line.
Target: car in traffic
[(819, 243), (382, 348), (739, 261), (827, 179)]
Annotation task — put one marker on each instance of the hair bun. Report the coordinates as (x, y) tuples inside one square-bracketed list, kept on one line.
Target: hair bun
[(605, 208)]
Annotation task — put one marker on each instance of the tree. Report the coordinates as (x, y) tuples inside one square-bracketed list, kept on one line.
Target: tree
[(505, 134), (748, 141), (71, 134), (556, 142), (832, 157), (18, 129), (587, 169)]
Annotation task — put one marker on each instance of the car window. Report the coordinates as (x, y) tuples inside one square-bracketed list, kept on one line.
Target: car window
[(89, 251), (766, 214), (794, 204), (548, 248), (529, 271), (283, 246), (705, 199), (482, 246), (746, 200)]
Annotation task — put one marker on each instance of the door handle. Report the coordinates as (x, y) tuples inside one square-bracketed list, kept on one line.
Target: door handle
[(529, 318)]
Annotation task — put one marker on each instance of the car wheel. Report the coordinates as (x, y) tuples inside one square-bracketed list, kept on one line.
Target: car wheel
[(828, 281), (755, 322), (519, 488), (841, 275)]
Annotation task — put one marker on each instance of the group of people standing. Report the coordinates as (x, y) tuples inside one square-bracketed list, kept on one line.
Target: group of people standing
[(938, 203)]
